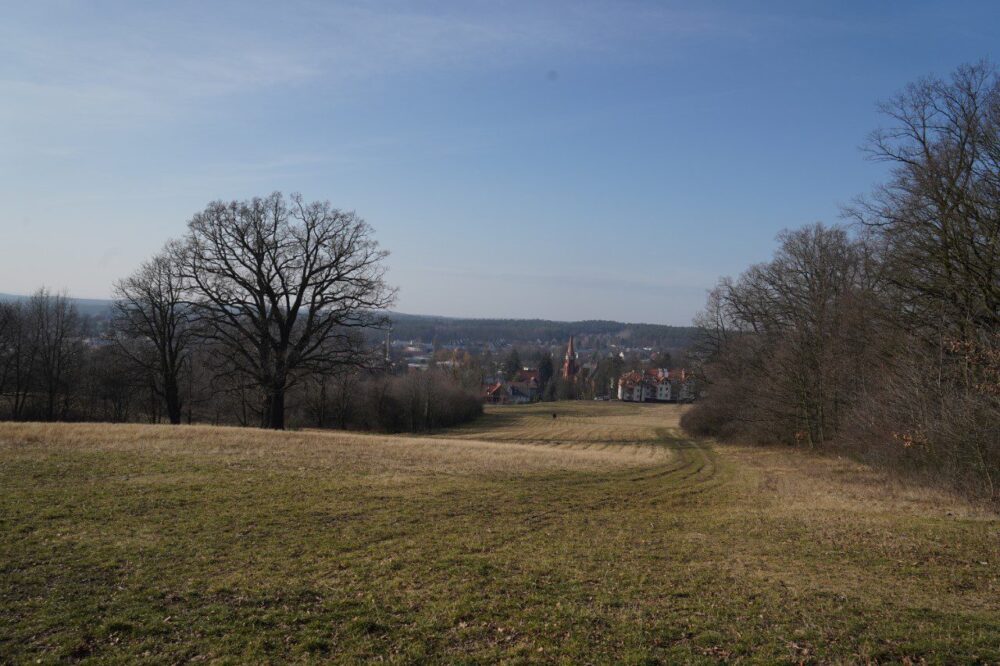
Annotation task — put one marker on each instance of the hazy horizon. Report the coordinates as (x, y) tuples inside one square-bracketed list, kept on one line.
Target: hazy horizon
[(568, 161), (394, 311)]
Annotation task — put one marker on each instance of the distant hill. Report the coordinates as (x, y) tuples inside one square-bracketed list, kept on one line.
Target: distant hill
[(447, 330), (451, 330), (94, 307)]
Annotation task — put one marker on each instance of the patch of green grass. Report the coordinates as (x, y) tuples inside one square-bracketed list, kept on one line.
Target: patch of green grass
[(240, 546)]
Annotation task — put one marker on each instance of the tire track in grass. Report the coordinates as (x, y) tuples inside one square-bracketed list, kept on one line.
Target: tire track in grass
[(693, 470)]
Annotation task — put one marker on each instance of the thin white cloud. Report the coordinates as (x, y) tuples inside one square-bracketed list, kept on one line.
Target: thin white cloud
[(148, 63)]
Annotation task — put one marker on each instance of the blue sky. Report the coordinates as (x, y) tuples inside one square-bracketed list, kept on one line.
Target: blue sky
[(541, 159)]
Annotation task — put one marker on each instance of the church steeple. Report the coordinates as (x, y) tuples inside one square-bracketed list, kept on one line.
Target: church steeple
[(570, 367)]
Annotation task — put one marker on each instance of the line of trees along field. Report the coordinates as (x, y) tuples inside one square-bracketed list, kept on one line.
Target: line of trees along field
[(881, 338), (261, 301)]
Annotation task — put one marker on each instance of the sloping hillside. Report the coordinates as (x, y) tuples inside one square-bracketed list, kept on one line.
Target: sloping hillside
[(597, 535)]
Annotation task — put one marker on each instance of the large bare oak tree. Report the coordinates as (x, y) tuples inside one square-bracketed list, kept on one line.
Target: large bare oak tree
[(284, 287)]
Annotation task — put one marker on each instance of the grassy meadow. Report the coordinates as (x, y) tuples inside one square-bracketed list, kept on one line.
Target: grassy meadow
[(602, 535)]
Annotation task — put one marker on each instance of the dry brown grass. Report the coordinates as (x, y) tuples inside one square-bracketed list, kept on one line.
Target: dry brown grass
[(356, 453), (576, 423), (799, 480), (603, 535)]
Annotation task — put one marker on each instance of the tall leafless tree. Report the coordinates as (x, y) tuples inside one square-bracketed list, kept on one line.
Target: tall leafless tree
[(8, 325), (937, 223), (939, 214), (887, 343), (19, 355), (55, 326), (790, 338), (154, 324), (285, 287)]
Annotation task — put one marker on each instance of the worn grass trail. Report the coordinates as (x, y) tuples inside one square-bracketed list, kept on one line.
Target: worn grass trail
[(602, 535)]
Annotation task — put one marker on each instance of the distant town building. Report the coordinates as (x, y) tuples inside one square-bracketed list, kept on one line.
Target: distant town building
[(523, 387), (655, 385), (507, 393), (570, 365)]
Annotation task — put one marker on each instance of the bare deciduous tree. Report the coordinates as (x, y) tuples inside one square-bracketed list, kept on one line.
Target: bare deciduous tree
[(9, 315), (886, 344), (939, 215), (20, 352), (285, 287), (153, 322), (937, 226), (55, 327), (789, 333)]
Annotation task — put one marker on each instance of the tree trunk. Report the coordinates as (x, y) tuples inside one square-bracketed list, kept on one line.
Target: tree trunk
[(171, 395), (321, 415), (276, 409), (50, 408)]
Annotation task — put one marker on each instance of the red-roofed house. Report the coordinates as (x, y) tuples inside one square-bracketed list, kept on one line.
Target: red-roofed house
[(507, 393)]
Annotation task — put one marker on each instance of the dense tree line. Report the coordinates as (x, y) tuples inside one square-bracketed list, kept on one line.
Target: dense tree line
[(881, 338), (249, 318), (414, 402)]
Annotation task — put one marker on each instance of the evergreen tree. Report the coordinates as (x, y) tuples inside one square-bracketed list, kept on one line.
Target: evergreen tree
[(545, 370)]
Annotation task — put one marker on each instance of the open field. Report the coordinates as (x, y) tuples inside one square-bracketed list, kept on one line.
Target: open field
[(601, 535)]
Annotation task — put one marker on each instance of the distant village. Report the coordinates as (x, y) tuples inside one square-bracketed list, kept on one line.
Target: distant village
[(500, 375)]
